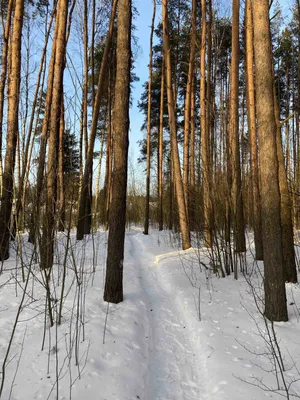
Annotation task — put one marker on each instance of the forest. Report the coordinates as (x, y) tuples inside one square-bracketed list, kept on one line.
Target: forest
[(168, 276)]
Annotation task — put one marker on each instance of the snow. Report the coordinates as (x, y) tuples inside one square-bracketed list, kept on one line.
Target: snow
[(181, 333)]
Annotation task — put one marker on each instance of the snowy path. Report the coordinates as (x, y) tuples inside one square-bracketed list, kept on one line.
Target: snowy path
[(181, 333), (175, 370)]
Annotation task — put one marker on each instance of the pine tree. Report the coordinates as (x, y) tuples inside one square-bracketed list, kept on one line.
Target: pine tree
[(182, 209), (113, 291), (12, 129), (275, 296)]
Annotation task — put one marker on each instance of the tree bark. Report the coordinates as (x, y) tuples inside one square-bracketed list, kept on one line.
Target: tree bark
[(12, 129), (250, 97), (192, 199), (187, 108), (87, 220), (61, 185), (236, 188), (160, 148), (113, 291), (109, 160), (274, 285), (205, 135), (4, 62), (35, 220), (287, 234), (47, 241), (183, 218), (147, 204)]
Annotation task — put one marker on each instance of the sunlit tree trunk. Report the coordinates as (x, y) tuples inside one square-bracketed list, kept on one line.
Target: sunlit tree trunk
[(192, 200), (187, 109), (209, 106), (12, 129), (93, 28), (61, 183), (4, 61), (274, 284), (48, 231), (147, 205), (160, 148), (183, 218), (205, 134), (250, 96), (35, 220)]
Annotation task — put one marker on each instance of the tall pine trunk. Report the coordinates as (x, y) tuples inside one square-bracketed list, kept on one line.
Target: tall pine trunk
[(274, 285), (48, 231), (287, 234), (4, 62), (113, 291), (192, 199), (234, 151), (179, 188), (205, 135), (160, 148), (61, 183), (250, 96), (147, 205), (187, 108), (12, 129), (35, 218)]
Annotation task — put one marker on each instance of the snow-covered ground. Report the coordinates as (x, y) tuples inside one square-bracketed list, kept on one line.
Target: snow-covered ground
[(182, 333)]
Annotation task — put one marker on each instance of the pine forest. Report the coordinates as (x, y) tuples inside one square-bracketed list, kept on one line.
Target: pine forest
[(149, 199)]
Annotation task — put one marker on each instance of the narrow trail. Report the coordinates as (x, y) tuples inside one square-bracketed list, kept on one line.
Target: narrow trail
[(175, 370)]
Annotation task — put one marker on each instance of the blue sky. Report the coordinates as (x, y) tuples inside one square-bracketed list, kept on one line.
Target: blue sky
[(143, 23)]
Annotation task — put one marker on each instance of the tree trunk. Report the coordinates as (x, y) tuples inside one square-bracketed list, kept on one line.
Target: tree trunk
[(93, 27), (187, 108), (47, 241), (297, 172), (160, 148), (4, 62), (171, 189), (97, 188), (109, 157), (274, 285), (209, 118), (113, 291), (205, 135), (183, 218), (250, 96), (61, 185), (12, 129), (84, 195), (147, 205), (287, 234), (192, 199), (287, 126), (87, 219), (35, 219), (234, 151)]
